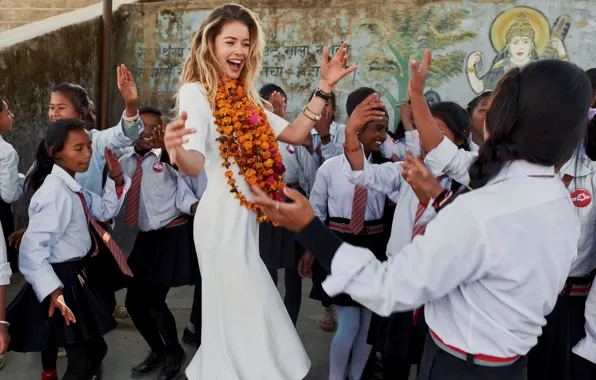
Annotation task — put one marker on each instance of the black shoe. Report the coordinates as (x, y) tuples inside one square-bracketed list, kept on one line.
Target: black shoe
[(172, 368), (152, 363), (189, 338)]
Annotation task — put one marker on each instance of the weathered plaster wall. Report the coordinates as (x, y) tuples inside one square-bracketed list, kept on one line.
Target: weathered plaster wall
[(30, 69), (154, 38)]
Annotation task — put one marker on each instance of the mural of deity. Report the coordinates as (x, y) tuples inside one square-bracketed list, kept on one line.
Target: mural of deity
[(520, 35)]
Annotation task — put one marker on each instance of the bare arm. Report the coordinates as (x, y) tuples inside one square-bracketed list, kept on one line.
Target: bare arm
[(430, 134)]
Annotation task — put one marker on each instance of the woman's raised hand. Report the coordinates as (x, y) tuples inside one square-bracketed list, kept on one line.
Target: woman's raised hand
[(334, 70)]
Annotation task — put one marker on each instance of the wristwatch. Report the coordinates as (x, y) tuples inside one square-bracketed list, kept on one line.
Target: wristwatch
[(322, 94)]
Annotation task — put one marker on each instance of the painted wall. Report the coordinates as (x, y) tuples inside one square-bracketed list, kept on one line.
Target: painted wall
[(474, 43)]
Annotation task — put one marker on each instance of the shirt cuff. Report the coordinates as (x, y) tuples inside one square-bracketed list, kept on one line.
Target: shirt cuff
[(438, 158), (320, 242), (46, 284), (586, 348), (347, 263), (5, 273)]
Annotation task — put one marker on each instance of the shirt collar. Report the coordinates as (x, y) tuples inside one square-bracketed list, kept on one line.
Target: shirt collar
[(576, 166), (521, 168), (66, 178), (156, 152)]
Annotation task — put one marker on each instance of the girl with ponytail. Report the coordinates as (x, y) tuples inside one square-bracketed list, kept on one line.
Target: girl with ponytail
[(490, 266)]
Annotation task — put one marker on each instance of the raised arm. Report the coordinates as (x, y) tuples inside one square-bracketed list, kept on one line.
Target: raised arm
[(430, 134), (332, 71)]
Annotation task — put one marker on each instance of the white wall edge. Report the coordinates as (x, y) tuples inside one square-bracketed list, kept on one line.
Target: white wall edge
[(50, 24)]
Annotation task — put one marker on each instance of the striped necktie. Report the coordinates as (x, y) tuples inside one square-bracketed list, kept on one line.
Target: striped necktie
[(319, 152), (131, 217), (107, 239), (358, 210)]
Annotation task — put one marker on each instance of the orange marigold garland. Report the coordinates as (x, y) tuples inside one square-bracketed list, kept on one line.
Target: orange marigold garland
[(247, 140)]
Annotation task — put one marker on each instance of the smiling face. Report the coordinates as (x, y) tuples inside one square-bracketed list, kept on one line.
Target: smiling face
[(6, 118), (76, 154), (520, 48), (62, 108), (232, 47), (373, 134), (151, 122)]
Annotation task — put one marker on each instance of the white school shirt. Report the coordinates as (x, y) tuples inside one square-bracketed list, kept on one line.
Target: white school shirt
[(488, 268), (11, 181), (197, 184), (300, 165), (398, 148), (387, 179), (58, 230), (5, 271), (332, 194), (337, 135), (164, 194), (586, 348), (582, 188)]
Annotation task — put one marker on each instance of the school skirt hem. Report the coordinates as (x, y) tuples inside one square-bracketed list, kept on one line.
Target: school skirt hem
[(165, 257), (31, 330)]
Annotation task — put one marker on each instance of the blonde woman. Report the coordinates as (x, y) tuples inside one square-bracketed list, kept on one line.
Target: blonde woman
[(246, 331)]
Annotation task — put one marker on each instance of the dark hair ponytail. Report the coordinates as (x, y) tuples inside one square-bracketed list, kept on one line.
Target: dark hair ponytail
[(78, 97), (56, 136), (537, 114)]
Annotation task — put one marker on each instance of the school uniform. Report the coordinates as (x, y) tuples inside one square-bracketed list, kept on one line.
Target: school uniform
[(5, 270), (61, 236), (585, 349), (11, 189), (161, 257), (488, 269), (395, 150), (333, 199), (552, 357), (398, 338), (323, 152)]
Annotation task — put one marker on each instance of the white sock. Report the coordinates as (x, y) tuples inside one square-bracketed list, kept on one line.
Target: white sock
[(191, 327)]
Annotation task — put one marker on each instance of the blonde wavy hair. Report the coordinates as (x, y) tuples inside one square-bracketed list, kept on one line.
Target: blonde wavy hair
[(202, 66)]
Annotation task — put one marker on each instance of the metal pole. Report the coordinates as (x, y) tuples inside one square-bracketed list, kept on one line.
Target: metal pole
[(106, 48)]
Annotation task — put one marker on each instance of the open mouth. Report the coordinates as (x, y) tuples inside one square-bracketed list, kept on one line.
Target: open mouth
[(235, 64), (148, 139), (378, 143)]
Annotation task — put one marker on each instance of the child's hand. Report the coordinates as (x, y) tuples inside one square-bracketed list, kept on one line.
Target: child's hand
[(114, 167), (57, 302), (365, 112), (128, 90), (305, 265), (4, 339), (14, 240), (279, 104), (424, 184), (419, 74), (193, 208), (158, 141)]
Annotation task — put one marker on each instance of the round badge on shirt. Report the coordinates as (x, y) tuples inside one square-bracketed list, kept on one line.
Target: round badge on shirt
[(158, 167), (581, 197), (291, 149)]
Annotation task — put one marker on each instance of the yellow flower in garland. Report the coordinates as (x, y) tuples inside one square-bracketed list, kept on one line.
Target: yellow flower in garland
[(246, 138)]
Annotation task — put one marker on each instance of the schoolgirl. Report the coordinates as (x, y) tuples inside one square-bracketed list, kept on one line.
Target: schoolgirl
[(477, 111), (405, 138), (161, 257), (63, 234), (398, 338), (72, 101), (485, 296), (355, 214), (11, 182), (277, 246)]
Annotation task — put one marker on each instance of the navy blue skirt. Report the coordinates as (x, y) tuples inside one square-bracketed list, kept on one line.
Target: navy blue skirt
[(164, 257), (31, 330)]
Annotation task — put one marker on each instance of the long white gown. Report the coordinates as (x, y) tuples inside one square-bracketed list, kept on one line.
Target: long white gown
[(246, 332)]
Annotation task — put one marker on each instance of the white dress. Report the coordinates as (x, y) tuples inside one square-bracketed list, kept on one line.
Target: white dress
[(246, 332)]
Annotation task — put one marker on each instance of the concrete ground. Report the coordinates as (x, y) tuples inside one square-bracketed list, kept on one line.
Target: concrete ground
[(127, 348)]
